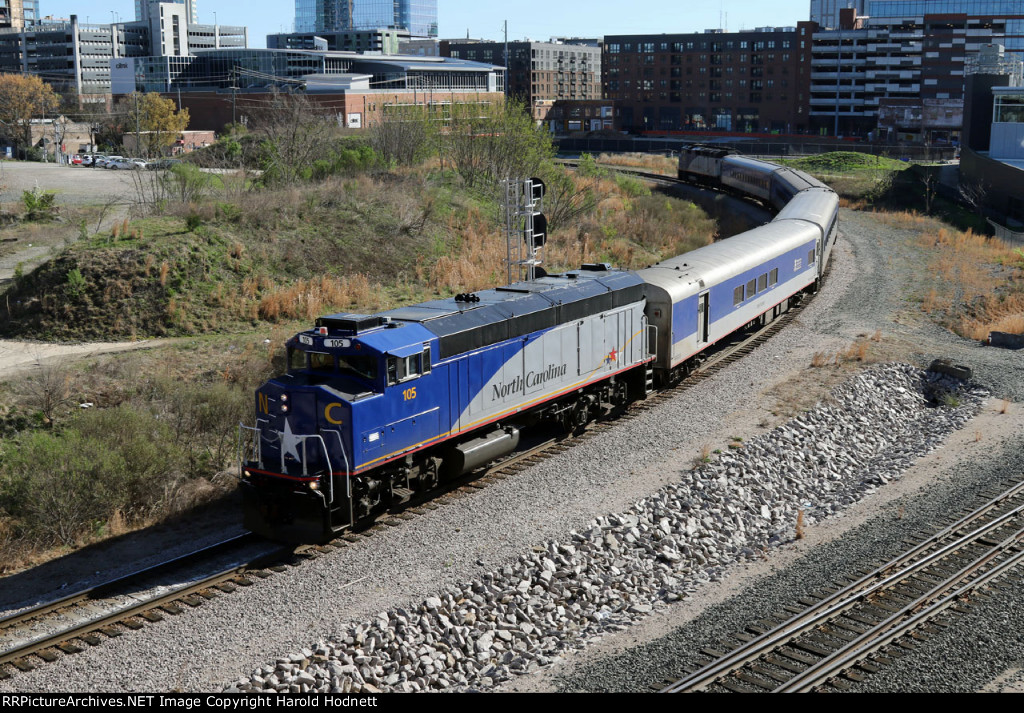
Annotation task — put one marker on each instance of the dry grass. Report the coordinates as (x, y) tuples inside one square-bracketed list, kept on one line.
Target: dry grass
[(628, 231), (307, 299), (907, 220), (665, 165), (859, 351), (974, 283), (799, 534)]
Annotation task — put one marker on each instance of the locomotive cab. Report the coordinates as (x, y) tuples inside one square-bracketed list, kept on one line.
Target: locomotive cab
[(350, 400)]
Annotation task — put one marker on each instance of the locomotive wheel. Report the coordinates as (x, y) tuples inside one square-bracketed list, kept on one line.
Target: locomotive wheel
[(580, 415), (428, 476)]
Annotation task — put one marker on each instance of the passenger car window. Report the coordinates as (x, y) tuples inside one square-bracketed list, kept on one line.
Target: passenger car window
[(737, 295)]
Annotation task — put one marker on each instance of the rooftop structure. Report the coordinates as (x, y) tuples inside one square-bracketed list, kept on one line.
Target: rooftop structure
[(419, 17)]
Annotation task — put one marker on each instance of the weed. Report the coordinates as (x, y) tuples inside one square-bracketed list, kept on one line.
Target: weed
[(75, 283), (799, 533), (1004, 408), (39, 205)]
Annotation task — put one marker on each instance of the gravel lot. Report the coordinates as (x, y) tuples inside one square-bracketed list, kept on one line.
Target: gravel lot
[(73, 184), (111, 192), (867, 291)]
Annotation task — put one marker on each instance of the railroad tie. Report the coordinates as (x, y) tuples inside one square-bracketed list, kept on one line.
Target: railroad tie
[(786, 665), (768, 673), (755, 681), (792, 653), (811, 647)]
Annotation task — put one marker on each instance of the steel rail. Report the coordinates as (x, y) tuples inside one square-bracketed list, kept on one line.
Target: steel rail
[(92, 592), (936, 600), (121, 613), (851, 595)]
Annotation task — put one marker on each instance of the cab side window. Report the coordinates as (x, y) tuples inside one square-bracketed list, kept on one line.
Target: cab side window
[(402, 368)]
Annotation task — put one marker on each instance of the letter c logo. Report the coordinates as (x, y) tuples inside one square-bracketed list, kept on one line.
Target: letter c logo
[(327, 413)]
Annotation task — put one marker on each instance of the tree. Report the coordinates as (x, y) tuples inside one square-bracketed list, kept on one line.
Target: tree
[(294, 133), (22, 98), (491, 142), (402, 135), (159, 119)]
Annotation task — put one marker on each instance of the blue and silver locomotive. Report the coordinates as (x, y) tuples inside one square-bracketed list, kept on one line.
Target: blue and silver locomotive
[(374, 409)]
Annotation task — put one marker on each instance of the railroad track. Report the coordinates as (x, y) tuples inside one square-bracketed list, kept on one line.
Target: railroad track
[(87, 617), (838, 636)]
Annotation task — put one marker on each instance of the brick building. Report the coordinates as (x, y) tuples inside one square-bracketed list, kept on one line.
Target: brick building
[(754, 81), (539, 73)]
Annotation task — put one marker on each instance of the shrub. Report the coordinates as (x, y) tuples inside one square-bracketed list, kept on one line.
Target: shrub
[(39, 205)]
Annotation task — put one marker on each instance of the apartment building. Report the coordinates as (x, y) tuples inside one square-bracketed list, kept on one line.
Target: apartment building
[(750, 81)]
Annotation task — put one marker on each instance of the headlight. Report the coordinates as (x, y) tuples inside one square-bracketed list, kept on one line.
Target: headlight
[(314, 486)]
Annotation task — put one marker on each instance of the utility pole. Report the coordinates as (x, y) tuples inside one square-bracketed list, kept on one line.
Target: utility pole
[(138, 128)]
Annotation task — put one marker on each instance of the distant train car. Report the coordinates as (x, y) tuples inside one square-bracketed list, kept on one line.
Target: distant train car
[(702, 164)]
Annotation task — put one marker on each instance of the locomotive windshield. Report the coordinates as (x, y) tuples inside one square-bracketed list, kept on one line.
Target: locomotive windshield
[(358, 366)]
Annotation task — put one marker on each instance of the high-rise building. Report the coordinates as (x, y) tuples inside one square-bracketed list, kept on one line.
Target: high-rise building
[(826, 12), (419, 17), (19, 14), (146, 9), (905, 59), (538, 73), (81, 57)]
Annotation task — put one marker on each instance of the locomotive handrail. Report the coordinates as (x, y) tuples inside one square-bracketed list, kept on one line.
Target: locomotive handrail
[(651, 328), (348, 480), (305, 459), (257, 450)]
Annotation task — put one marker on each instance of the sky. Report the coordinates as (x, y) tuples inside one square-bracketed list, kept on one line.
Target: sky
[(533, 19)]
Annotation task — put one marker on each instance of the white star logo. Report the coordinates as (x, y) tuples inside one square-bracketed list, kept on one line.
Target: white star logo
[(289, 441)]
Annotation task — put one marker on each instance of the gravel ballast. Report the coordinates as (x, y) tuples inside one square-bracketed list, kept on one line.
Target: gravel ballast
[(497, 529), (557, 597)]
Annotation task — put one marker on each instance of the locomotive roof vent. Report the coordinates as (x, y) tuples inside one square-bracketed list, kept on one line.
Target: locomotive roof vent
[(596, 266), (351, 323), (467, 297)]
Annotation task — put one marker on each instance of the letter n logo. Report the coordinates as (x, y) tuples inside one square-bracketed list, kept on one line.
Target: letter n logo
[(264, 403)]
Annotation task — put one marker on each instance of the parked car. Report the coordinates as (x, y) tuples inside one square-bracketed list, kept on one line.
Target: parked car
[(76, 160), (139, 163), (102, 161), (121, 164)]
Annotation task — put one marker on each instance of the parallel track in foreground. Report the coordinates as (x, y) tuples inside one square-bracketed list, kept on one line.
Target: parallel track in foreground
[(838, 636)]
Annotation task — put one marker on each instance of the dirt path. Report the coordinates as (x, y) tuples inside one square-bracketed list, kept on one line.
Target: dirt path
[(18, 357)]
